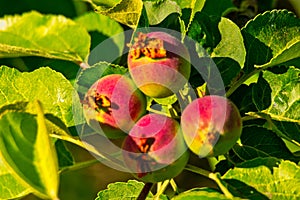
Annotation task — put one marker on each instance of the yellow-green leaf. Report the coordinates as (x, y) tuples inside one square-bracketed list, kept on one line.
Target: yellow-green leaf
[(28, 152), (50, 36)]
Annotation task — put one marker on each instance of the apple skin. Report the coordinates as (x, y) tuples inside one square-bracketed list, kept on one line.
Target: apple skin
[(155, 149), (159, 64), (113, 104), (211, 125)]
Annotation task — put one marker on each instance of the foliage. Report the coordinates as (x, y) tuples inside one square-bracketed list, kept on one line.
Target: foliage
[(258, 61)]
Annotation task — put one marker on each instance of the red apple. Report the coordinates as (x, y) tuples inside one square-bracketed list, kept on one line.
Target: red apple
[(155, 149), (113, 104), (159, 64), (211, 125)]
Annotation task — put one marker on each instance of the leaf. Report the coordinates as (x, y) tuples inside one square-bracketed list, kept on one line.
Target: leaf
[(167, 100), (289, 130), (49, 87), (64, 156), (260, 142), (127, 12), (290, 52), (228, 68), (158, 11), (51, 36), (261, 94), (57, 127), (280, 183), (205, 31), (200, 193), (271, 38), (231, 44), (195, 6), (285, 96), (108, 43), (54, 126), (10, 187), (242, 98), (121, 190), (27, 149), (218, 7)]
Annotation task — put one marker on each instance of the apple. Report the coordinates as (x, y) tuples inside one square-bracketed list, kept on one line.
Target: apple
[(159, 64), (113, 104), (211, 125), (154, 149)]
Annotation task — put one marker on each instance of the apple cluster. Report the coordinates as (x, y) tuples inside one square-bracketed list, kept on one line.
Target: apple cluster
[(156, 147)]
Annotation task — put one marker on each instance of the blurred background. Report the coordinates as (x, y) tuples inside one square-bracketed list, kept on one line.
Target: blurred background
[(84, 184)]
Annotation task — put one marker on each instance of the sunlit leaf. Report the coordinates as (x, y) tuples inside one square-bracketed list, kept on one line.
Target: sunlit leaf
[(285, 96), (271, 38), (10, 187), (158, 11), (34, 34), (28, 151), (44, 84), (280, 182), (231, 44), (127, 12), (122, 190)]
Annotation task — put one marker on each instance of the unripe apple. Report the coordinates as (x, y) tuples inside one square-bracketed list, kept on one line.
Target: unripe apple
[(113, 104), (159, 64), (211, 125), (155, 149)]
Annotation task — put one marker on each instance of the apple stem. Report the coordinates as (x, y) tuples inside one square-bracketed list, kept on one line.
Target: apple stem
[(145, 191), (197, 170)]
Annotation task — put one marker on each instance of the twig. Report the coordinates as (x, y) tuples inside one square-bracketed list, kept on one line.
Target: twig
[(145, 191)]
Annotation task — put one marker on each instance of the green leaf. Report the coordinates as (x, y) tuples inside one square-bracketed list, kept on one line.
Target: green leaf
[(121, 190), (57, 127), (269, 162), (158, 11), (109, 31), (281, 182), (228, 68), (289, 130), (231, 44), (44, 84), (242, 98), (205, 31), (10, 187), (260, 142), (27, 149), (54, 126), (167, 100), (64, 156), (218, 7), (127, 12), (290, 52), (51, 36), (271, 38), (261, 94), (285, 103), (201, 193), (195, 6)]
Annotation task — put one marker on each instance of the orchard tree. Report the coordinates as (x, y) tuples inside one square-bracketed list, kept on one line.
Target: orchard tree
[(187, 99)]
